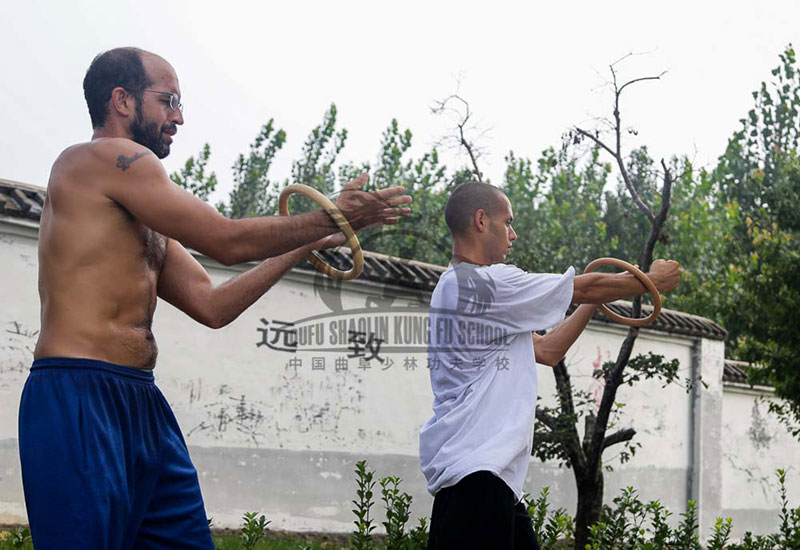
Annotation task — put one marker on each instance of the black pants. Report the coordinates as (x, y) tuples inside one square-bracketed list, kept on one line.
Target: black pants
[(480, 512)]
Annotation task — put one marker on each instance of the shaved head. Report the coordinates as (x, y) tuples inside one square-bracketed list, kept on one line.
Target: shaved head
[(468, 198)]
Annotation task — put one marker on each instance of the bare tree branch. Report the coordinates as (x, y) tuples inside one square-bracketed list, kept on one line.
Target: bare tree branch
[(618, 437), (597, 141), (564, 387), (588, 429), (615, 376), (631, 54), (603, 120), (637, 200), (658, 223), (642, 79), (620, 161), (616, 152), (613, 382), (589, 475), (469, 146)]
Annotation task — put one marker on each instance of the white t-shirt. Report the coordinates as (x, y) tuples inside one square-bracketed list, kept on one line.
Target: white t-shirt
[(483, 370)]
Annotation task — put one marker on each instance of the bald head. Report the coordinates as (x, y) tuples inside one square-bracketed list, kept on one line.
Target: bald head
[(468, 198), (120, 67)]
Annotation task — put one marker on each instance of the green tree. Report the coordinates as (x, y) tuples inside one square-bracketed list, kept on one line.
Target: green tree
[(558, 210), (758, 179), (698, 233), (315, 167), (193, 177), (423, 235), (757, 170), (768, 311), (254, 194)]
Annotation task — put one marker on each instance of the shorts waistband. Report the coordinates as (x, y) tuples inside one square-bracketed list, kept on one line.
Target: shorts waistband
[(73, 363)]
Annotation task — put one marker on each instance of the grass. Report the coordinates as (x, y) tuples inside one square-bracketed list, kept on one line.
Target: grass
[(229, 539)]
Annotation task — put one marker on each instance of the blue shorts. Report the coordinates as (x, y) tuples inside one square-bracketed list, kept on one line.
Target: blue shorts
[(104, 464)]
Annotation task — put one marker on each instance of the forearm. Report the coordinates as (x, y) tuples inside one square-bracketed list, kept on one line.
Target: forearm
[(253, 239), (553, 346), (600, 288), (230, 299)]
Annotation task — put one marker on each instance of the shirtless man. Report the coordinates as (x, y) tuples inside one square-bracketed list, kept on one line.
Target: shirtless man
[(104, 464), (483, 351)]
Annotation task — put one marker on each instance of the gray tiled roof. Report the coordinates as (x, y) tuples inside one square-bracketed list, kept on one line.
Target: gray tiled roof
[(670, 320), (736, 372), (19, 200), (386, 269)]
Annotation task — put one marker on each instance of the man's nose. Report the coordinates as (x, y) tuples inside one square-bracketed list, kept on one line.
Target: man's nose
[(178, 117)]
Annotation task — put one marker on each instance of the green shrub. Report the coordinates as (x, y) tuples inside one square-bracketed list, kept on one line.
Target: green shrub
[(253, 527), (551, 527), (397, 507), (629, 524), (362, 536)]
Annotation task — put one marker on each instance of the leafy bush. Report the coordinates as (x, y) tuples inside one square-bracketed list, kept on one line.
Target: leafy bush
[(629, 524), (550, 526), (397, 505), (253, 527), (634, 525), (362, 537)]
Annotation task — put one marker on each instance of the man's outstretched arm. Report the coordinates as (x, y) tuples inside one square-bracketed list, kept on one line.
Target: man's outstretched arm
[(142, 187), (553, 346), (600, 288), (185, 284)]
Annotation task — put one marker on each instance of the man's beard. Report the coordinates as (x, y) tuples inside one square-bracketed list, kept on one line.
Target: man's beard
[(149, 134)]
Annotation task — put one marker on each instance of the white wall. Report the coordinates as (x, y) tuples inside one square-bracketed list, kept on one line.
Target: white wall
[(266, 437), (204, 372), (19, 325), (754, 446)]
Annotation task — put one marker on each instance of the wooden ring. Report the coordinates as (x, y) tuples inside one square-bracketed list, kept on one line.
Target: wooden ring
[(330, 208), (646, 281)]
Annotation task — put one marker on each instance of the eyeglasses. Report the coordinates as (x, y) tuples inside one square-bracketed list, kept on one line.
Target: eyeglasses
[(174, 99)]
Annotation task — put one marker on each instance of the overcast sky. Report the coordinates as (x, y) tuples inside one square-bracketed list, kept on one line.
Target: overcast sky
[(529, 71)]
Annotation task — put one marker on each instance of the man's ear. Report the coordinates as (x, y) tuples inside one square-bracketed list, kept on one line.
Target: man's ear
[(481, 220), (122, 102)]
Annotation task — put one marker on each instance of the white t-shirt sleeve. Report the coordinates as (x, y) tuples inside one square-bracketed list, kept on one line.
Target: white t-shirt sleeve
[(531, 301)]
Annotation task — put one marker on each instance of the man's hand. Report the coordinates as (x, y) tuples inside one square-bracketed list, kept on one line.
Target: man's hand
[(665, 274), (366, 208)]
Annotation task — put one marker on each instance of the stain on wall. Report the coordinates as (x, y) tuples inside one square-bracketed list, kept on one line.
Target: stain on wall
[(758, 432), (17, 342)]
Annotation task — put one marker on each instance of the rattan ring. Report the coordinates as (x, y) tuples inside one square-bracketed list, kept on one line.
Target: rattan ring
[(330, 208), (646, 281)]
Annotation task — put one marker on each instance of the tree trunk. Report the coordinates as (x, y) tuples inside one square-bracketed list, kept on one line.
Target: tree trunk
[(590, 504)]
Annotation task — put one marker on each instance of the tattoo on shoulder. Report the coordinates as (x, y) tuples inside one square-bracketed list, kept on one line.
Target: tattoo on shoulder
[(123, 162)]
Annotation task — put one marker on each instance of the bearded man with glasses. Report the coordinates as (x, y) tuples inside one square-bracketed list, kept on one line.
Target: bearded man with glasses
[(104, 464)]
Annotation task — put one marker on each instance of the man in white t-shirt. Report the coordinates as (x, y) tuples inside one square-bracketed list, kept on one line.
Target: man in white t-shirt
[(482, 356)]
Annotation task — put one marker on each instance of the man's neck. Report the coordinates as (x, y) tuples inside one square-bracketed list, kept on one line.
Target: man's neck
[(111, 130), (470, 256)]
